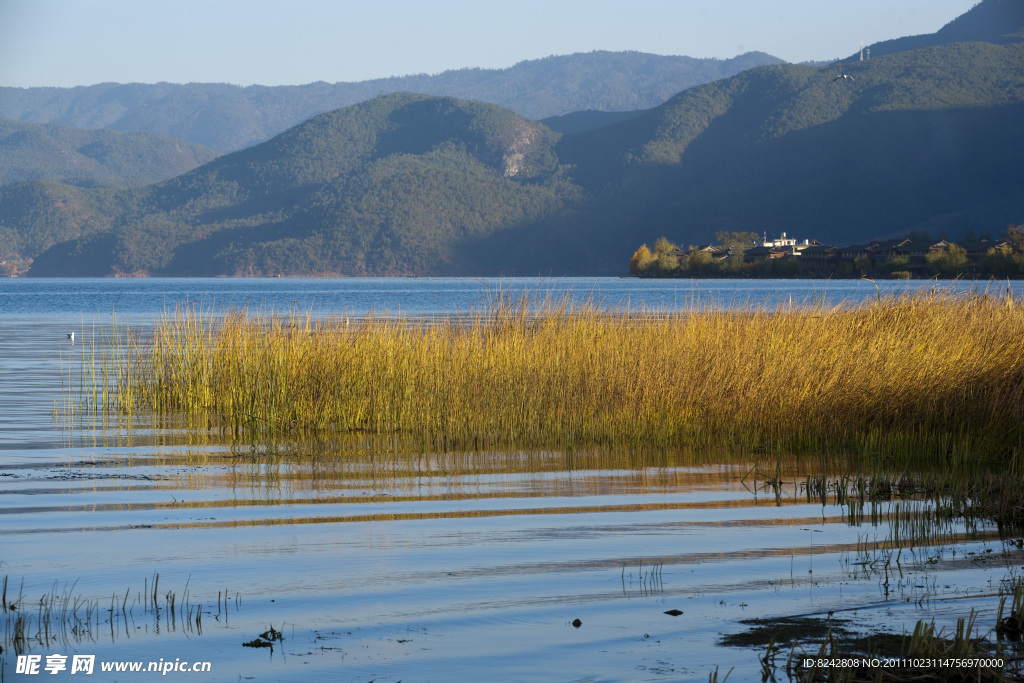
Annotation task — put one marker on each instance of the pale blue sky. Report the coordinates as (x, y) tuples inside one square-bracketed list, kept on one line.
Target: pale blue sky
[(82, 42)]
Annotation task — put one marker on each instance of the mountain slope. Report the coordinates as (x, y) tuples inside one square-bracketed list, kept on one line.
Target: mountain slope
[(31, 151), (34, 215), (389, 186), (226, 117), (993, 21), (925, 139), (587, 120)]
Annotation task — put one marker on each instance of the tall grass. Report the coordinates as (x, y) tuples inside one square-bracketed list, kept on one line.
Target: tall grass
[(936, 373), (62, 617)]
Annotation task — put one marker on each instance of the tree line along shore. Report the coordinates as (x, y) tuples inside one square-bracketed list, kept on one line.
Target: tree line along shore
[(917, 256)]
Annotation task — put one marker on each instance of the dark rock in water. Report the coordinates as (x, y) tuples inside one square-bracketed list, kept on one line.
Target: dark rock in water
[(258, 643), (674, 612), (577, 623), (266, 639)]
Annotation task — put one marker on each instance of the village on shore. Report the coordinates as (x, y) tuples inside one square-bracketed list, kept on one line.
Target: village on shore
[(745, 254)]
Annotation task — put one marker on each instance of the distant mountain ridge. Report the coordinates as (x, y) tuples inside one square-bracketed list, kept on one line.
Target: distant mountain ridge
[(227, 118), (33, 151)]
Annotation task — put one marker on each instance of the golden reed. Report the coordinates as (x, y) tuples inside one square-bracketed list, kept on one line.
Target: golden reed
[(932, 373)]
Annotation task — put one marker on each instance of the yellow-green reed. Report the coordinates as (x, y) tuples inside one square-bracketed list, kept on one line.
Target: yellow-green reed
[(935, 373)]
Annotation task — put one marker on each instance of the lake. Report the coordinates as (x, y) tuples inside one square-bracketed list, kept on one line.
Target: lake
[(373, 560)]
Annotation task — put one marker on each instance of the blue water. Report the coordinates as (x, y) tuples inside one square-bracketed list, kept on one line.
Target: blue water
[(61, 298), (423, 566)]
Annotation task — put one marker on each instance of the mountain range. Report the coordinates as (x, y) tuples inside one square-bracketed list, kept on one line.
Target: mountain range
[(228, 118), (926, 137)]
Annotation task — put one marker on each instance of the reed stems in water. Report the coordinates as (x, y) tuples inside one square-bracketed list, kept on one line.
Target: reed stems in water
[(935, 373)]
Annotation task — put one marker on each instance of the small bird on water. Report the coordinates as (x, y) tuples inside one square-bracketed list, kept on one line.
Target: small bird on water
[(71, 336)]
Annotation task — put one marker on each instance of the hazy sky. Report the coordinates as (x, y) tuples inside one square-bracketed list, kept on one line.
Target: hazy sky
[(82, 42)]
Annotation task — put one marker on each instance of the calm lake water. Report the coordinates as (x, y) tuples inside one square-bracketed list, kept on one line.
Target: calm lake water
[(379, 562)]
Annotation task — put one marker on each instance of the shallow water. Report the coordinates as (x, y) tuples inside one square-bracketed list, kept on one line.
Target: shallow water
[(377, 562)]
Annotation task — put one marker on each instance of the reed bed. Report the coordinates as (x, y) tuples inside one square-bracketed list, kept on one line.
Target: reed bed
[(62, 617), (935, 373), (926, 654)]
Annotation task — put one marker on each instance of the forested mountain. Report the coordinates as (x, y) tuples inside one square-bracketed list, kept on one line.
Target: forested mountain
[(391, 186), (227, 118), (925, 139), (411, 184), (32, 151), (992, 21)]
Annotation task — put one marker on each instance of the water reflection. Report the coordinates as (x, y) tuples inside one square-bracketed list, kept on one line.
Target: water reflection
[(392, 535), (171, 477)]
